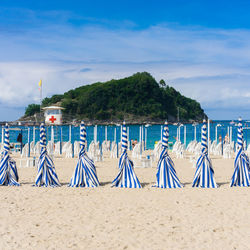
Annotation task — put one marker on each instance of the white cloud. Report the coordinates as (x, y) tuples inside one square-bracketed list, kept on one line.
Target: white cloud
[(209, 65)]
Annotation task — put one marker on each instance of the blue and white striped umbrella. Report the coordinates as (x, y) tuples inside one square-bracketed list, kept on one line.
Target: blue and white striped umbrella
[(8, 170), (126, 177), (241, 175), (166, 175), (46, 170), (204, 174), (85, 171)]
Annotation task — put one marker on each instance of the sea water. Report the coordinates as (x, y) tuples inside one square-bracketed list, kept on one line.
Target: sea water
[(153, 133)]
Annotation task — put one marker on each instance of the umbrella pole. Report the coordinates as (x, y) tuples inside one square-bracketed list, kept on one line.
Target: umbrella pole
[(2, 134), (28, 141), (72, 141), (128, 138), (195, 132), (116, 141), (140, 140), (208, 137), (69, 132), (106, 133), (161, 133), (185, 136), (21, 149), (61, 140), (101, 142), (34, 135)]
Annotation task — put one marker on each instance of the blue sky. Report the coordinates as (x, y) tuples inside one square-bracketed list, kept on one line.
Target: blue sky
[(199, 47)]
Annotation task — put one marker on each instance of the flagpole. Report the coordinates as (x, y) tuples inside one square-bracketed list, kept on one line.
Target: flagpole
[(40, 85)]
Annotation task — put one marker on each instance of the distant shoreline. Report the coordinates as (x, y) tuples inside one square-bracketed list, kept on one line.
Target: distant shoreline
[(105, 123)]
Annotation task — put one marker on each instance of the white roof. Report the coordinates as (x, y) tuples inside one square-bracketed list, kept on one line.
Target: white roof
[(52, 107)]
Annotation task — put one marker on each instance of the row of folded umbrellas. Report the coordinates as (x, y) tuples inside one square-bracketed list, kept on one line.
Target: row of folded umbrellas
[(85, 174)]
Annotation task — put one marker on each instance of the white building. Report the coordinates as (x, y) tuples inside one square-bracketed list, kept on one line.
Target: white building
[(53, 115)]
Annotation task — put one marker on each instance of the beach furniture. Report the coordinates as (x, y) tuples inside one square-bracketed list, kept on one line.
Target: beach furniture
[(191, 146), (65, 147), (27, 162), (166, 175), (218, 149), (204, 174), (32, 146), (146, 161), (126, 177), (46, 175), (212, 147), (136, 151), (77, 147), (25, 151), (228, 150), (178, 149), (50, 147), (157, 149), (8, 170), (105, 146), (94, 151), (69, 152), (113, 151), (241, 175), (37, 148), (57, 148), (85, 172)]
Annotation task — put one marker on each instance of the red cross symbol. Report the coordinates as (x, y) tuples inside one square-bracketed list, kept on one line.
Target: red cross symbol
[(52, 119)]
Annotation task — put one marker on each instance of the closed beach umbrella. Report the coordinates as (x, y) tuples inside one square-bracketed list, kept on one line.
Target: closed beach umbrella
[(204, 174), (126, 177), (46, 170), (85, 171), (8, 170), (241, 175), (166, 175)]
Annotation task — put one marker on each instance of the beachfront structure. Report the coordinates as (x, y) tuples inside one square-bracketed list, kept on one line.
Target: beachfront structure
[(126, 177), (166, 175), (53, 115), (8, 170), (204, 174), (46, 175), (85, 171), (241, 175)]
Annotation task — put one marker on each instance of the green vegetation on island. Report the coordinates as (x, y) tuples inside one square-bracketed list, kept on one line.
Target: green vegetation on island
[(135, 98)]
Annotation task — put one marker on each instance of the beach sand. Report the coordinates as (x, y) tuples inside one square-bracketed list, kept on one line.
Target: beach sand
[(114, 218)]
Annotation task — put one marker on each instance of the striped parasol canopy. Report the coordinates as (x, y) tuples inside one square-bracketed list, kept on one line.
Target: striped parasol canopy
[(85, 171), (46, 175), (8, 170), (126, 177), (166, 175), (241, 175), (204, 174)]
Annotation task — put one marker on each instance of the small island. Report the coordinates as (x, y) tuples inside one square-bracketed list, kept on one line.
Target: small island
[(136, 99)]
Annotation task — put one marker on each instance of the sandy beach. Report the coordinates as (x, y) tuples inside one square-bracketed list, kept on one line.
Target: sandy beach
[(113, 218)]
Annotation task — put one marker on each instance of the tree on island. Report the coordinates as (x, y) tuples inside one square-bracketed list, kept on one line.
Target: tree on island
[(162, 83), (32, 109)]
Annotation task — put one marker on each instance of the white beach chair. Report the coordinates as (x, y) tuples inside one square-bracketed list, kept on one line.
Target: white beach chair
[(113, 151), (157, 149), (25, 151), (105, 146), (57, 148), (136, 152), (37, 148), (76, 147)]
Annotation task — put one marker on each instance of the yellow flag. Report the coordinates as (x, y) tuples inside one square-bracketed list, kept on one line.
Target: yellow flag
[(40, 83)]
